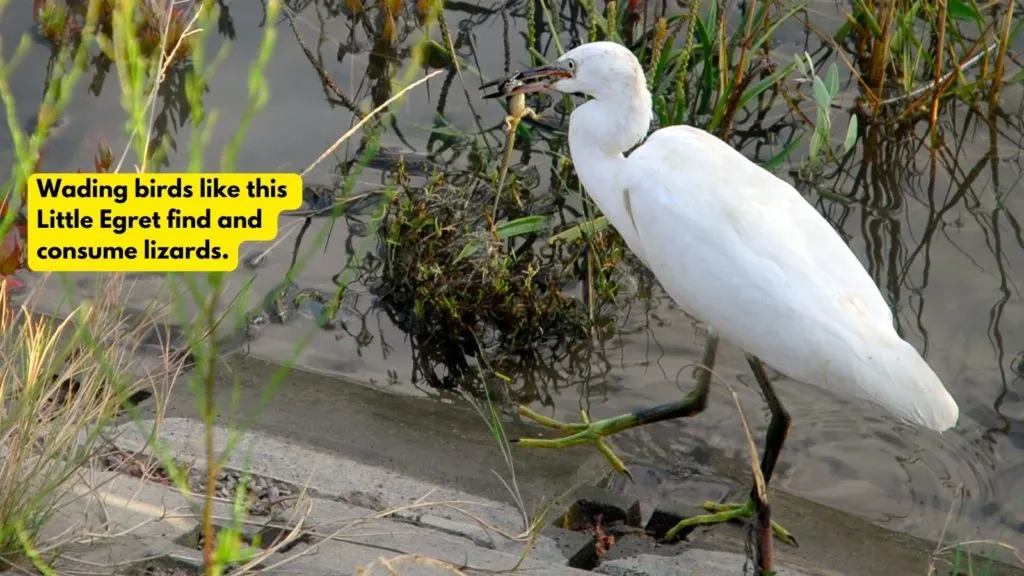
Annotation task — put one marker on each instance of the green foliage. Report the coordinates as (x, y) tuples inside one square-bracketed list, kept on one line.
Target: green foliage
[(825, 91), (461, 285)]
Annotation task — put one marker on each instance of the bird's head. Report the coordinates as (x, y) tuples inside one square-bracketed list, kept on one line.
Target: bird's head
[(601, 70), (620, 112)]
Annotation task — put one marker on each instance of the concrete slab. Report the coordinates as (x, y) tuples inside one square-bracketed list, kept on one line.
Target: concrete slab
[(371, 451), (120, 520), (443, 444), (347, 553), (447, 445), (694, 561), (330, 477), (110, 520), (103, 505), (114, 555)]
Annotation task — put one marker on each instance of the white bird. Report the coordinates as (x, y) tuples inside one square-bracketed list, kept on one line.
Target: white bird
[(739, 249)]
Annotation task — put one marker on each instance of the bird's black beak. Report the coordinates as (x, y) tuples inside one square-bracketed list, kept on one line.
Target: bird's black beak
[(542, 77), (528, 81)]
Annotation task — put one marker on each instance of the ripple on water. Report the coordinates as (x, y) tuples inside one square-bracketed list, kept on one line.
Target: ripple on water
[(1013, 410), (899, 475), (1010, 515), (840, 453)]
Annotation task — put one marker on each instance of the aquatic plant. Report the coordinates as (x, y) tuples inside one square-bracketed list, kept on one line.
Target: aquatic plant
[(465, 287), (908, 56), (825, 90)]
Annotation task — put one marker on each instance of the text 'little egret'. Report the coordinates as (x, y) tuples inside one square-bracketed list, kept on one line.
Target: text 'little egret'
[(742, 251)]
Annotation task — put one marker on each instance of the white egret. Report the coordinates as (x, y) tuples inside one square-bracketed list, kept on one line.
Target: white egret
[(739, 249)]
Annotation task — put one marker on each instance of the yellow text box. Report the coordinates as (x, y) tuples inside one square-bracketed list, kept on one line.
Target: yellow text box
[(152, 222)]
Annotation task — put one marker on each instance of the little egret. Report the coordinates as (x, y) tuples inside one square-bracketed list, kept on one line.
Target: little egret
[(742, 251)]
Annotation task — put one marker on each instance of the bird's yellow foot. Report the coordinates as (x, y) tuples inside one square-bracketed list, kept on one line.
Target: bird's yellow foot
[(579, 433), (720, 512)]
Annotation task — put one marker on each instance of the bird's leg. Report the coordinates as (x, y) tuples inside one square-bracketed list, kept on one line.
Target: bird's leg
[(755, 507), (595, 432), (778, 430)]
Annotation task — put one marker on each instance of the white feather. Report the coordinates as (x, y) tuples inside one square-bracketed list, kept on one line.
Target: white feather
[(740, 249)]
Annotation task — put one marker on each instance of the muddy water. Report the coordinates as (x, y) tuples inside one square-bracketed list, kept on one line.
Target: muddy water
[(938, 233)]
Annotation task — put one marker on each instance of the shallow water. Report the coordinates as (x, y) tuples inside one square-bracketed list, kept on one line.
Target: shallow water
[(940, 237)]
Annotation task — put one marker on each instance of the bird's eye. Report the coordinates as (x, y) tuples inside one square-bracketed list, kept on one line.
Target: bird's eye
[(571, 64)]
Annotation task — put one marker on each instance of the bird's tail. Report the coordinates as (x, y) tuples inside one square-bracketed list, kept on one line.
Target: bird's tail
[(900, 380)]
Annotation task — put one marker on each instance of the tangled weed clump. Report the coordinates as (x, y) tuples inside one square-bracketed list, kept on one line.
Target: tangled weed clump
[(456, 281)]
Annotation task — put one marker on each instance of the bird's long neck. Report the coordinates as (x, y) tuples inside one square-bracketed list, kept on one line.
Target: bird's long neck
[(612, 124), (600, 132)]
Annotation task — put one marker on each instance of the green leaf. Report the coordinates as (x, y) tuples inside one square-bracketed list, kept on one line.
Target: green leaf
[(468, 250), (851, 135), (869, 17), (830, 195), (775, 162), (591, 227), (761, 86), (815, 145), (832, 81), (821, 94), (1016, 30), (843, 32), (1018, 77), (824, 123), (779, 20), (703, 36), (964, 11), (522, 226), (713, 14), (505, 230)]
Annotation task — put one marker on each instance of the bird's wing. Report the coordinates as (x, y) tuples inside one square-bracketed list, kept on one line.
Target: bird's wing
[(743, 251)]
